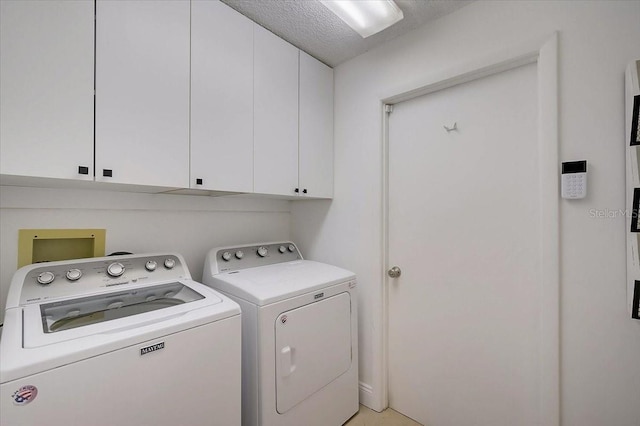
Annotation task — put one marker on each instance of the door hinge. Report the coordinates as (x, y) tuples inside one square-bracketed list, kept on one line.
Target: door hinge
[(388, 108)]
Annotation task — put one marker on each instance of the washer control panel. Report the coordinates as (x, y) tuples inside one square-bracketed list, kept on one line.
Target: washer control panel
[(86, 276), (236, 258)]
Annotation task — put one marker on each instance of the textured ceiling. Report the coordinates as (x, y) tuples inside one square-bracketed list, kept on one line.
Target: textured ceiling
[(311, 27)]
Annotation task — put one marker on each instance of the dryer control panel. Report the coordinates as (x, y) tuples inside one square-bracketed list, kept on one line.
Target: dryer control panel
[(86, 276), (254, 255)]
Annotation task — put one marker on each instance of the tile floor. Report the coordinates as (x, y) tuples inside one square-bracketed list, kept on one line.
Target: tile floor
[(368, 417)]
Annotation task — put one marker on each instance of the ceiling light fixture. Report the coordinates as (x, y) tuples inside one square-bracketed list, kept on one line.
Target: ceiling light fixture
[(367, 17)]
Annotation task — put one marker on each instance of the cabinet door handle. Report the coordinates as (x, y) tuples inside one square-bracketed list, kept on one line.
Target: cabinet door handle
[(198, 181), (296, 190), (304, 190), (83, 170), (107, 172)]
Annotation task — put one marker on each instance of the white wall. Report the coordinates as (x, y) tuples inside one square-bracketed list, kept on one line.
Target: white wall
[(600, 344), (138, 223)]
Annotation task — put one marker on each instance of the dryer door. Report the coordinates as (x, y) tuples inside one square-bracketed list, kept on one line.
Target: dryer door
[(313, 347)]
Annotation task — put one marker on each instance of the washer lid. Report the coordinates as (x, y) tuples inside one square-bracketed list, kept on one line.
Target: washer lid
[(110, 312), (269, 284), (81, 312)]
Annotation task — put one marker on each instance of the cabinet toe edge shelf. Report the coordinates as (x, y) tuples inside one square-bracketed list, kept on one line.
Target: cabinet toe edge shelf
[(47, 182)]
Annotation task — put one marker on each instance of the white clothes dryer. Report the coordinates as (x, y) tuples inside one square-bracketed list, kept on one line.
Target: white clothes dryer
[(299, 334), (123, 340)]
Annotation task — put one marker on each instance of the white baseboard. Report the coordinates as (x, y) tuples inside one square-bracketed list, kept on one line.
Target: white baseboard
[(367, 398)]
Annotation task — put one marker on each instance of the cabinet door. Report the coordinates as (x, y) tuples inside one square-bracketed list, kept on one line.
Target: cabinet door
[(142, 92), (221, 98), (46, 81), (316, 128), (275, 114)]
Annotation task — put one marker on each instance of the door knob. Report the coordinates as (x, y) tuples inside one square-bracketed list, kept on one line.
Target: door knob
[(394, 272)]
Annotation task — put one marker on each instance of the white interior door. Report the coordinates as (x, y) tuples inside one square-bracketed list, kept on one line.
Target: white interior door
[(464, 228)]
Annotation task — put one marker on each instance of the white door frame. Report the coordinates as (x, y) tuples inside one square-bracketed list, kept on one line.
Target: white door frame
[(544, 52)]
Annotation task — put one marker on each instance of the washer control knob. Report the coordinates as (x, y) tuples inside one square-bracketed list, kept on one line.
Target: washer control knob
[(282, 249), (239, 254), (74, 274), (226, 256), (292, 248), (169, 263), (46, 278), (151, 265), (115, 269), (262, 251)]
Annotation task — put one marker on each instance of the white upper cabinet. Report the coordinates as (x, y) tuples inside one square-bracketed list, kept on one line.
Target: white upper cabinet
[(275, 114), (316, 128), (173, 94), (46, 86), (142, 92), (221, 98)]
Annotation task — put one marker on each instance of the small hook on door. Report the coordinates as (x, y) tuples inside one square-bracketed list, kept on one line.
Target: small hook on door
[(452, 128)]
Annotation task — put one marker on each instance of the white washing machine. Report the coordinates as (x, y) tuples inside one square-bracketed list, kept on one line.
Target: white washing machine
[(123, 340), (299, 334)]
